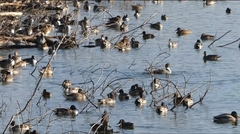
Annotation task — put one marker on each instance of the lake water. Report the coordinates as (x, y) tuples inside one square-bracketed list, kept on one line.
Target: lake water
[(189, 72)]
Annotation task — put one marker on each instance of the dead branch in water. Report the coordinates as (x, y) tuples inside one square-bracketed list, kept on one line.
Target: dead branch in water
[(229, 43), (219, 38)]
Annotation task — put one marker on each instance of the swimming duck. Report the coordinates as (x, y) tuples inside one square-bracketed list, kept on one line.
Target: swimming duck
[(210, 57), (162, 109), (188, 101), (135, 90), (123, 96), (226, 117), (106, 43), (137, 7), (66, 84), (124, 27), (46, 70), (125, 18), (134, 43), (72, 111), (46, 94), (7, 63), (209, 2), (157, 26), (228, 10), (97, 8), (85, 23), (52, 50), (124, 44), (79, 96), (7, 77), (147, 36), (164, 17), (70, 90), (115, 19), (182, 31), (137, 14), (207, 37), (31, 60), (86, 6), (140, 100), (155, 84), (16, 57), (177, 99), (99, 41), (172, 44), (167, 70), (125, 125), (198, 45), (19, 128), (106, 101)]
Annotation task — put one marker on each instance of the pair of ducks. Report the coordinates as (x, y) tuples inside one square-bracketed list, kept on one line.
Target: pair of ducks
[(73, 93), (185, 101)]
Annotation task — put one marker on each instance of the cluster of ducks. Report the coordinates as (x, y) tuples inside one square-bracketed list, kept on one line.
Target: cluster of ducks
[(62, 24)]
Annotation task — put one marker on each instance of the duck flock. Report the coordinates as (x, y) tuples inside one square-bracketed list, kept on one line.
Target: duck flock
[(33, 30)]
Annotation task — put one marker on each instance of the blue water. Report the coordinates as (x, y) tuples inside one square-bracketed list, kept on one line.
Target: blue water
[(189, 72)]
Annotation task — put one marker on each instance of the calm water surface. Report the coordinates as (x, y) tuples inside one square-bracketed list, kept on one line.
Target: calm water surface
[(81, 65)]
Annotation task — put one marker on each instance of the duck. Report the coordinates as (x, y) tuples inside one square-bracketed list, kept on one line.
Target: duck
[(106, 101), (46, 70), (155, 84), (177, 99), (72, 111), (209, 2), (167, 70), (99, 41), (79, 96), (71, 90), (147, 36), (106, 43), (85, 23), (115, 19), (123, 96), (187, 101), (19, 128), (207, 36), (135, 90), (181, 32), (86, 6), (16, 57), (140, 100), (157, 26), (210, 57), (134, 43), (124, 44), (228, 10), (97, 8), (198, 45), (163, 109), (172, 44), (31, 60), (7, 63), (124, 27), (46, 94), (66, 84), (226, 117), (137, 7), (125, 125), (52, 50), (125, 18), (7, 77), (164, 17), (137, 14)]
